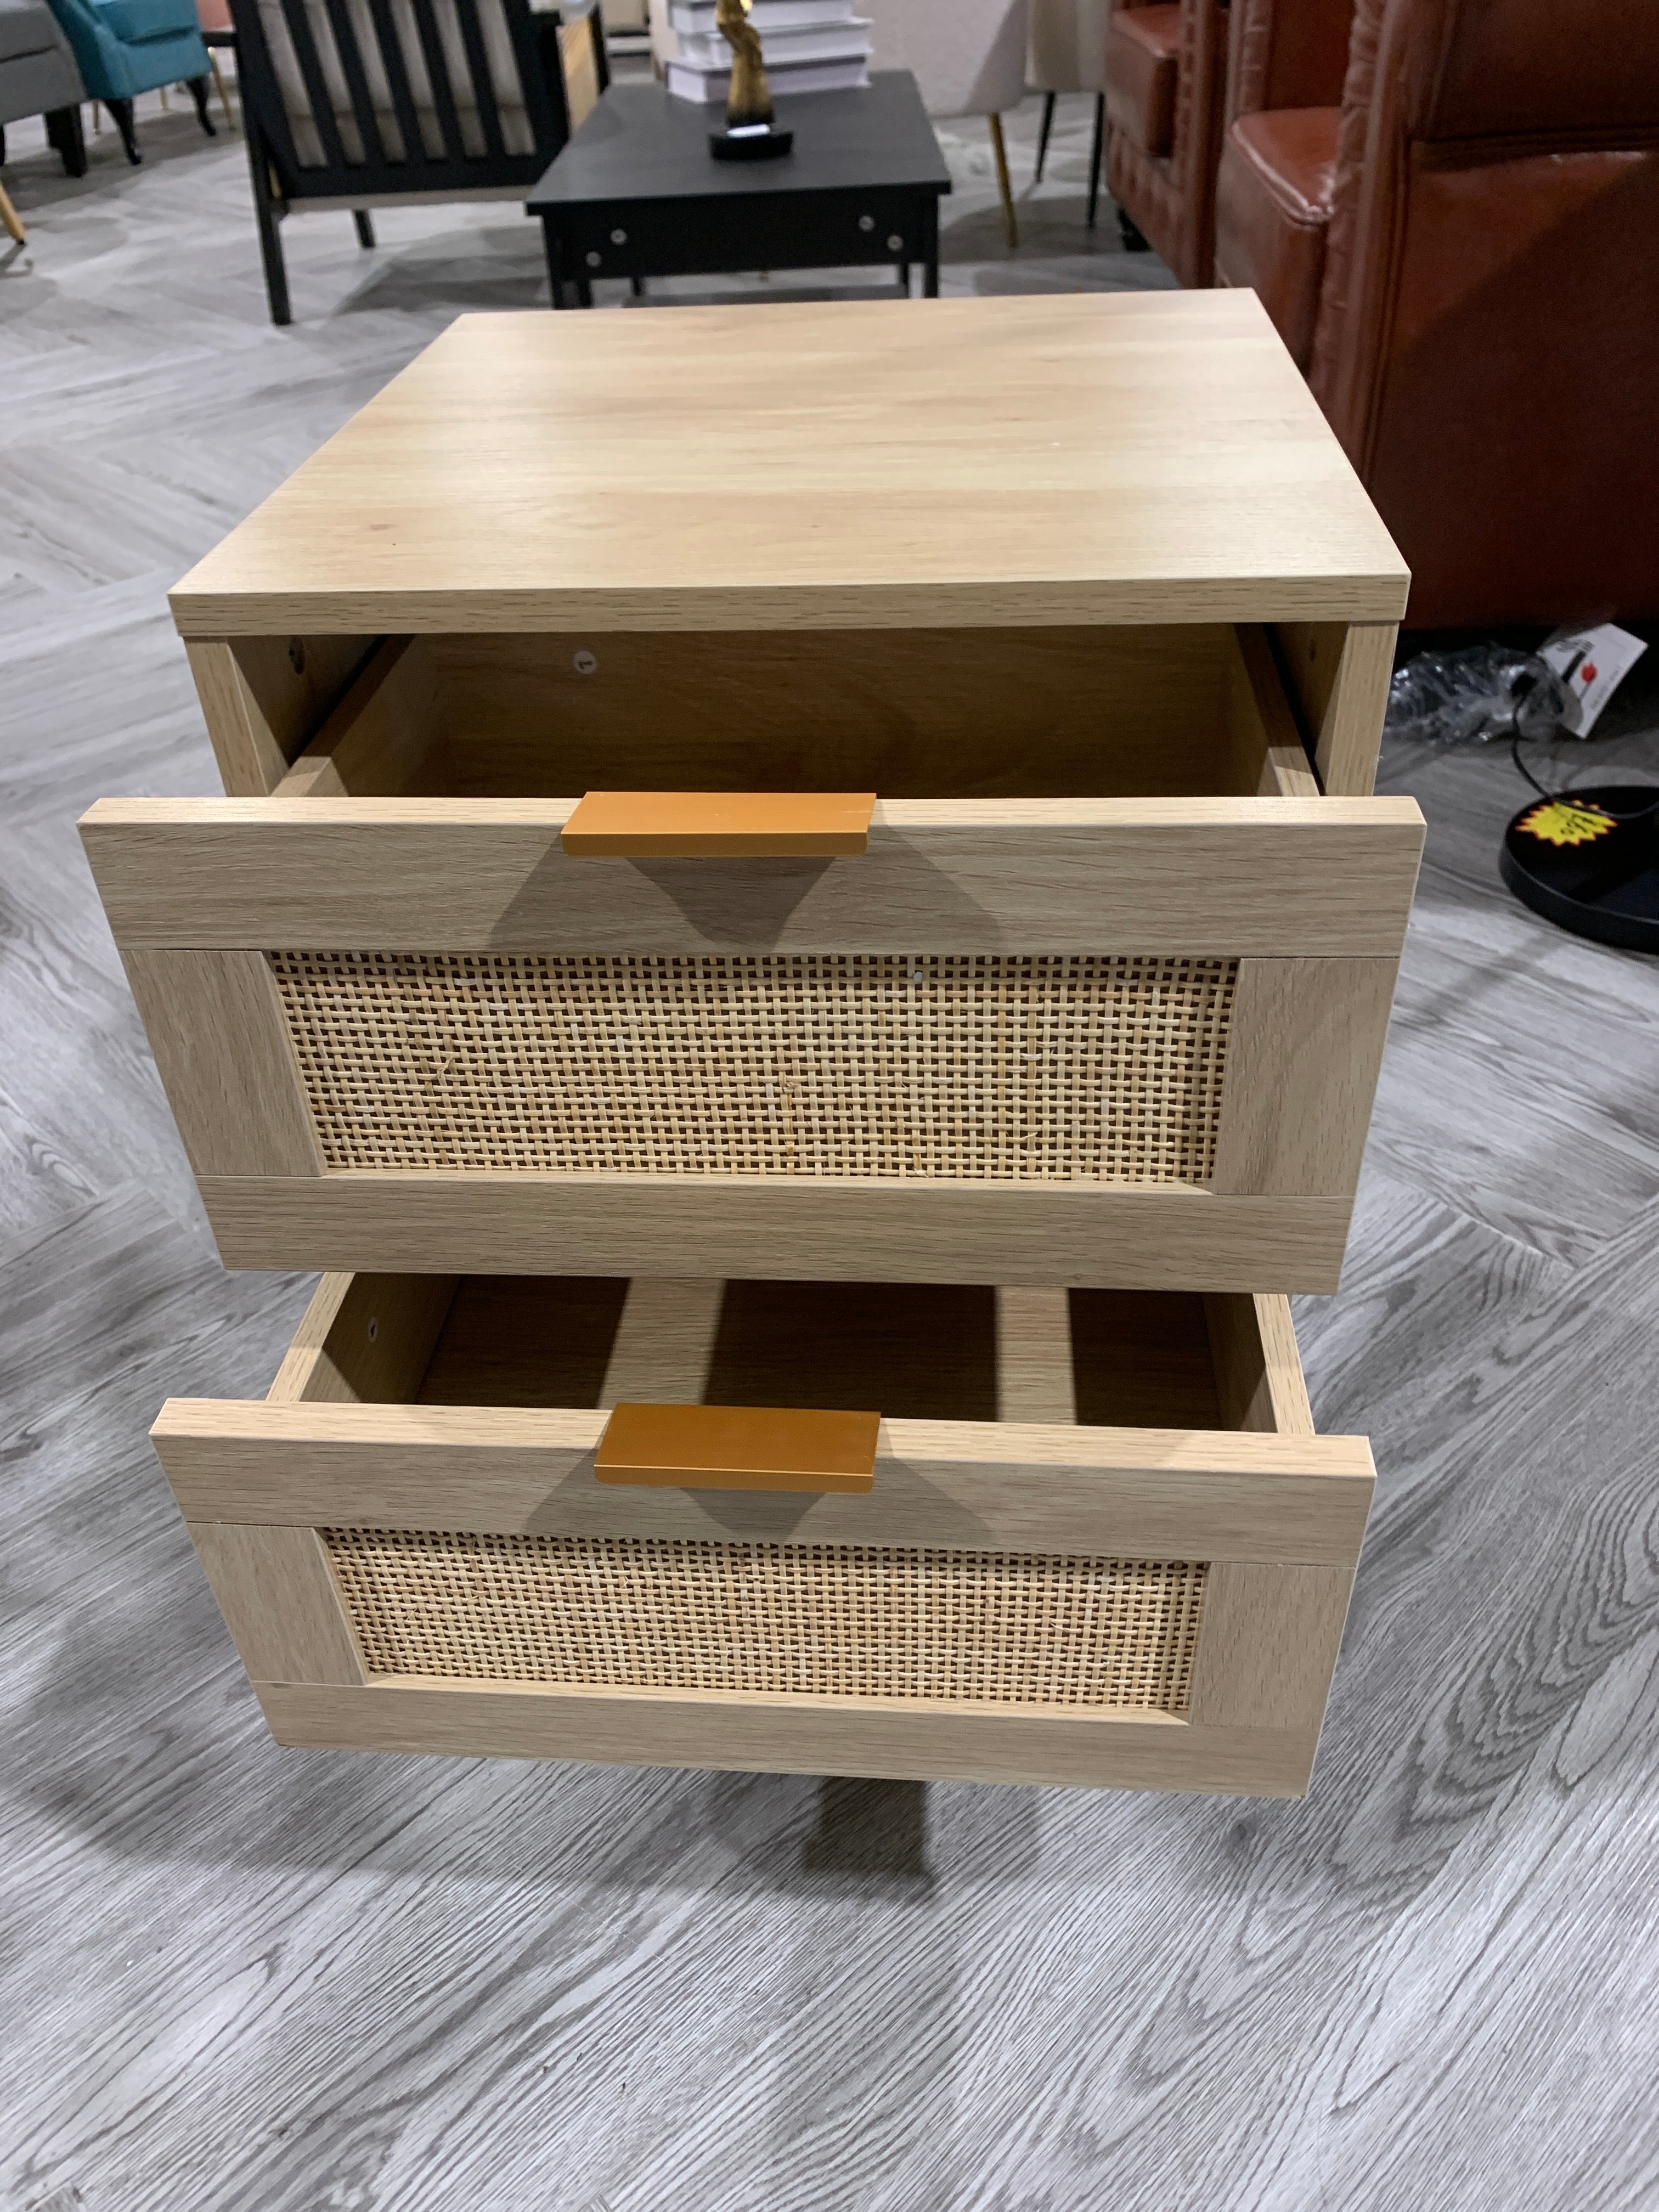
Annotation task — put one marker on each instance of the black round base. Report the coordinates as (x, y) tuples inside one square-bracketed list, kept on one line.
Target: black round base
[(1596, 882), (750, 145)]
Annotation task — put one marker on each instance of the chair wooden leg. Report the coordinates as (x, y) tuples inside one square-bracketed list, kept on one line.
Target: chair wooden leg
[(1095, 152), (1003, 185), (10, 218), (365, 227), (224, 97), (1042, 135)]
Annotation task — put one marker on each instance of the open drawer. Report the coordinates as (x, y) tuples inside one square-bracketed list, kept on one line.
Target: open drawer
[(1102, 1543), (1101, 1001)]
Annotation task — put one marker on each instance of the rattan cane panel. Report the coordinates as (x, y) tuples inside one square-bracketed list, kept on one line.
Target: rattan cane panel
[(824, 1620), (1048, 1069)]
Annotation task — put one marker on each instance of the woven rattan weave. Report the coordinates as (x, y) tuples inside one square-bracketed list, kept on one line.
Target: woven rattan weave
[(840, 1620), (1003, 1069)]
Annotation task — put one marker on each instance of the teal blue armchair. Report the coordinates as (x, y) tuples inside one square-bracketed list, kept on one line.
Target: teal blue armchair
[(127, 46)]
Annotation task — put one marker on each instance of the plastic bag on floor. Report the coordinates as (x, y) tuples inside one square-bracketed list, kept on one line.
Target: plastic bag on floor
[(1475, 695)]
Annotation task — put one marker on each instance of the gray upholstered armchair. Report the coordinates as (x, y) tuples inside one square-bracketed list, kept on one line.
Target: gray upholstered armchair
[(38, 76)]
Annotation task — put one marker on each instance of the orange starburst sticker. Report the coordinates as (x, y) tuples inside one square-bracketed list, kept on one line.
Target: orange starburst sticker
[(1558, 823)]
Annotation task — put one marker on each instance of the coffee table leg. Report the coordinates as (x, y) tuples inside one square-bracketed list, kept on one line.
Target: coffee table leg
[(930, 257), (904, 278), (584, 293)]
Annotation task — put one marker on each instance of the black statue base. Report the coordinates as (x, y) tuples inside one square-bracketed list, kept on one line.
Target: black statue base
[(749, 141)]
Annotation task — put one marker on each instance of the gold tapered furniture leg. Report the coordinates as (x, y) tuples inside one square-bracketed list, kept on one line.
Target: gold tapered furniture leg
[(224, 96), (1001, 152), (11, 219)]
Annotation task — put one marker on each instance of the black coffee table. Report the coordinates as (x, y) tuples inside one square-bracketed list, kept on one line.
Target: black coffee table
[(637, 192)]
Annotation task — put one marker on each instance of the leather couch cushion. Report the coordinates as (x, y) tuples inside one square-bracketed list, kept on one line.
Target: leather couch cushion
[(1272, 206), (1141, 63), (132, 21), (1588, 66), (1288, 53)]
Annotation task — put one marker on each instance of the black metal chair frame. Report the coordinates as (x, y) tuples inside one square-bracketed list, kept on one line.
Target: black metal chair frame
[(1049, 99), (281, 183)]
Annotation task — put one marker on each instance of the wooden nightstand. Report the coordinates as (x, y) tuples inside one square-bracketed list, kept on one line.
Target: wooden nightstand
[(1083, 590)]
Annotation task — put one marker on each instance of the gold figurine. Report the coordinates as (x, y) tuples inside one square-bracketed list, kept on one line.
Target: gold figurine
[(750, 100)]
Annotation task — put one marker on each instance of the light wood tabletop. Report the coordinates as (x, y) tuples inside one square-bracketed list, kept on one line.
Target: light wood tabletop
[(1077, 458)]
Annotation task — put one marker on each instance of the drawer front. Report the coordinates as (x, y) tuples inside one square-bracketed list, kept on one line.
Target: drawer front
[(700, 237), (1012, 1599), (1120, 1040)]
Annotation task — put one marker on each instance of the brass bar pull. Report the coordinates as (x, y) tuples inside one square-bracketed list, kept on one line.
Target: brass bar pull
[(656, 825), (739, 1447)]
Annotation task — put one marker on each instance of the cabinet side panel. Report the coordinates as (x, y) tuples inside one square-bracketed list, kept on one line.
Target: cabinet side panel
[(375, 739), (1268, 757), (1338, 673), (300, 1376), (251, 760), (365, 1340), (263, 699), (1258, 1367)]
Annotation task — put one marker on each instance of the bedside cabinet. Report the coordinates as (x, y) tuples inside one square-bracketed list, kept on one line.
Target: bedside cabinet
[(806, 860)]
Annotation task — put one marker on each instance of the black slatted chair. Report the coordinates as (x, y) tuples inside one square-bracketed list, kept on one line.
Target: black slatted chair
[(355, 104)]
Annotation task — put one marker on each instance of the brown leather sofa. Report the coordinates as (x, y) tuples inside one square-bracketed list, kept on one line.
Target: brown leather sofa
[(1166, 68), (1457, 235)]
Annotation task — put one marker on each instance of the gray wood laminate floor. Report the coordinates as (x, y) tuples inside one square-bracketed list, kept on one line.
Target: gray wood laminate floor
[(234, 1977)]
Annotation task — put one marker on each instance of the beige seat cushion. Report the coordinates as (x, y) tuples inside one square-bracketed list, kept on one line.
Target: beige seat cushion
[(1067, 45), (516, 134)]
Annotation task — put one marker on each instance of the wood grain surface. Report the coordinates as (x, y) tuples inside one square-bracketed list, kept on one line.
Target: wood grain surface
[(375, 740), (215, 1024), (1339, 677), (236, 1978), (913, 714), (974, 462), (1178, 876), (1149, 1237), (792, 1735), (278, 1597), (1122, 1493)]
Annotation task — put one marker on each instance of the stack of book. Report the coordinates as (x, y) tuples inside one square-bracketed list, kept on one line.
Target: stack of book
[(808, 45)]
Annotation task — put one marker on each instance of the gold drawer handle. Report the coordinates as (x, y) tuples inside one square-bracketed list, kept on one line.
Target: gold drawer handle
[(656, 825), (739, 1447)]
